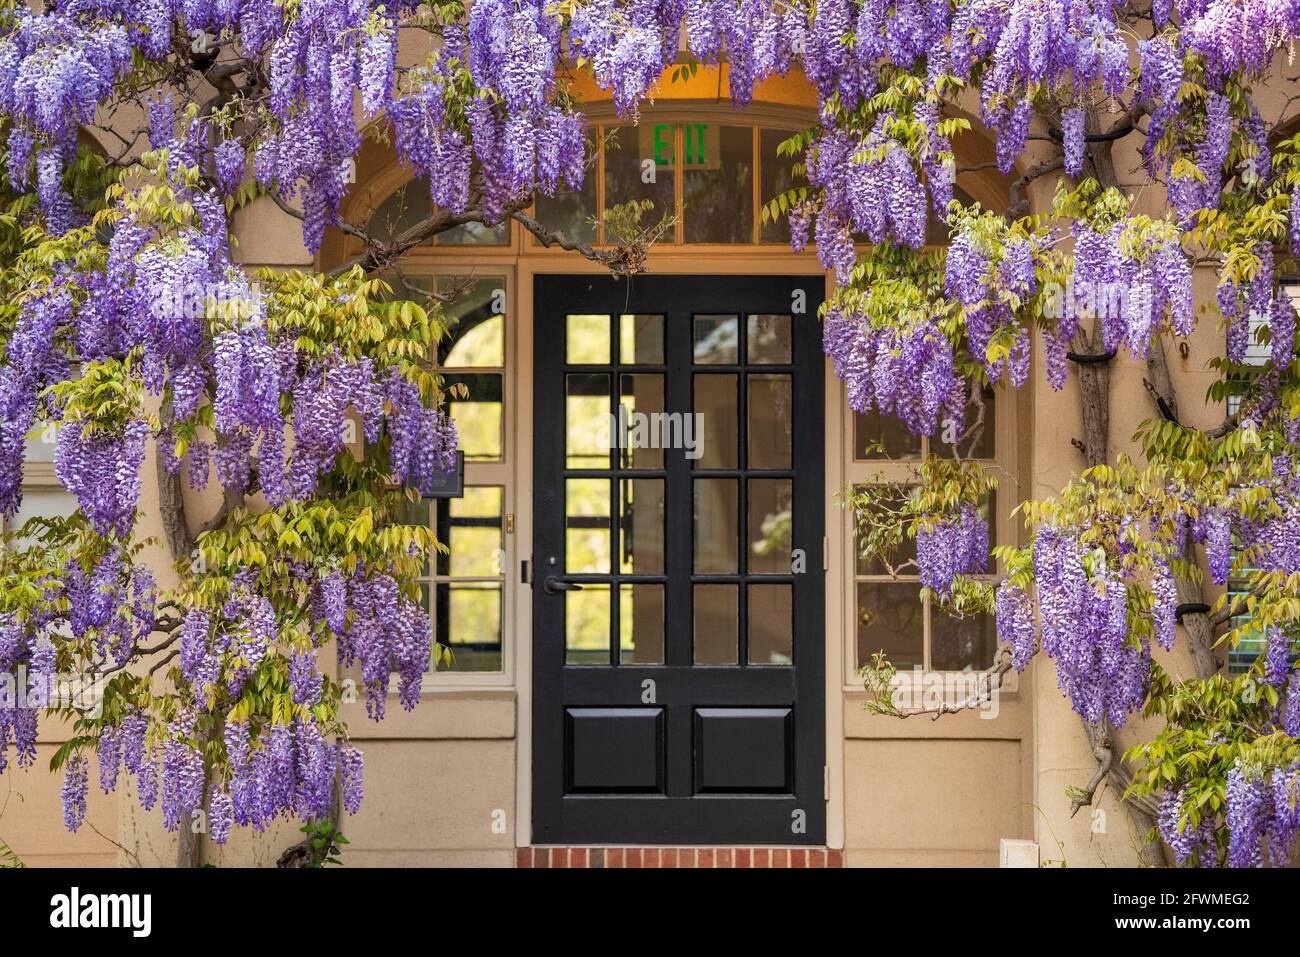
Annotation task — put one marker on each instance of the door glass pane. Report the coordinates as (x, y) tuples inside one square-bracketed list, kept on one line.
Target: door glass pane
[(877, 436), (641, 340), (642, 527), (641, 624), (716, 505), (771, 421), (890, 619), (478, 416), (475, 234), (642, 423), (42, 503), (419, 512), (776, 174), (467, 619), (770, 518), (717, 340), (406, 207), (587, 411), (716, 414), (480, 345), (716, 625), (587, 340), (771, 624), (904, 552), (768, 340), (571, 212), (717, 183), (476, 316), (473, 532), (39, 445), (983, 447), (587, 526), (639, 165), (586, 625), (409, 205), (960, 643)]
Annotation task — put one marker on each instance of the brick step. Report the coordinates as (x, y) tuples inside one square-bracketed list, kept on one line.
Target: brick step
[(679, 857)]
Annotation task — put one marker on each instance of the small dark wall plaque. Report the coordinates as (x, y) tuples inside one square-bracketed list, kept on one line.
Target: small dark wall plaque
[(450, 484)]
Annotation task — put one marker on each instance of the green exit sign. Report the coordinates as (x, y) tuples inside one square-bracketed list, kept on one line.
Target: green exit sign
[(700, 145)]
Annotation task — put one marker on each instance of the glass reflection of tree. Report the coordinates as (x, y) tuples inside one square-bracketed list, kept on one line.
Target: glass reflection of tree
[(718, 206)]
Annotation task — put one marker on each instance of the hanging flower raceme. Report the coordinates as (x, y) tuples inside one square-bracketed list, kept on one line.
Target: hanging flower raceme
[(55, 69), (35, 361), (905, 371), (1176, 830), (870, 188), (1014, 613), (990, 270), (1161, 72), (1130, 272), (1035, 45), (424, 440), (1273, 540), (1256, 301), (1262, 814), (951, 546), (102, 469), (1100, 666), (386, 632), (1236, 35)]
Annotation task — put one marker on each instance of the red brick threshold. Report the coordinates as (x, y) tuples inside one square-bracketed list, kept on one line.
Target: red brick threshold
[(679, 857)]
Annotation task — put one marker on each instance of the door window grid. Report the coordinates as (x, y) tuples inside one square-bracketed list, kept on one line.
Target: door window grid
[(726, 577), (464, 588), (742, 353), (888, 612), (617, 617)]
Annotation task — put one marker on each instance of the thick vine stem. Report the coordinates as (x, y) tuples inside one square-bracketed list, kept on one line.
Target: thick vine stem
[(1110, 768), (620, 260), (987, 683), (1094, 396), (1198, 626), (171, 496)]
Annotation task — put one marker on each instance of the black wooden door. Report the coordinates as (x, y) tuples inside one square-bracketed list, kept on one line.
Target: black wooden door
[(677, 565)]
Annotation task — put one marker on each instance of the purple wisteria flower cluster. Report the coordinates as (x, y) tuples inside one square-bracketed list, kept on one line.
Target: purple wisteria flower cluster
[(952, 546), (156, 296), (1100, 666), (1185, 841), (283, 769), (908, 372), (384, 631), (1129, 293), (987, 279), (871, 190), (1262, 815)]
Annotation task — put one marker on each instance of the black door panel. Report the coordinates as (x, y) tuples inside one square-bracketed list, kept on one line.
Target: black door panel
[(678, 648)]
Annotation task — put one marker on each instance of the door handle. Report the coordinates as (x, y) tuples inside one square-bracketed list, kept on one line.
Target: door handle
[(553, 586)]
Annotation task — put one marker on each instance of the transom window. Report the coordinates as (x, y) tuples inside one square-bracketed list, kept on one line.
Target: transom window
[(708, 181), (712, 178)]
